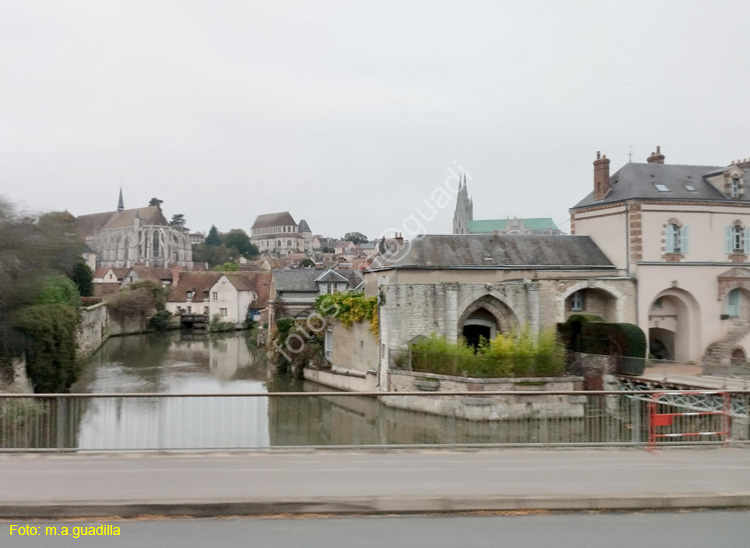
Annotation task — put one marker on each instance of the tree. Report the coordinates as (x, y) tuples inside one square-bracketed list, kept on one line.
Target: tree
[(213, 239), (214, 255), (226, 267), (178, 221), (83, 278), (307, 263), (327, 249), (239, 240), (355, 237), (155, 202)]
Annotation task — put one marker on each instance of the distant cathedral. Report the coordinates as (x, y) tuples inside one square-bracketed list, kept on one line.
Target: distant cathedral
[(130, 237), (464, 223)]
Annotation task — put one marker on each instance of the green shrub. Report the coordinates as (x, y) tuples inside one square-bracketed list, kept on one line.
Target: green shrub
[(159, 321), (518, 354), (50, 332)]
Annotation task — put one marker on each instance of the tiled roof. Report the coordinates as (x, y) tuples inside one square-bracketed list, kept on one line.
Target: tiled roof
[(304, 280), (633, 181), (192, 281), (497, 252), (257, 282), (152, 273), (270, 220), (90, 225)]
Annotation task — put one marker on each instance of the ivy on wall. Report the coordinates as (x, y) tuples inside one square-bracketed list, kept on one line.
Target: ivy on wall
[(350, 308)]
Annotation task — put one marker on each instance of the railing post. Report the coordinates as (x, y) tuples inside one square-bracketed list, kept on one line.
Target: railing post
[(635, 420), (60, 403)]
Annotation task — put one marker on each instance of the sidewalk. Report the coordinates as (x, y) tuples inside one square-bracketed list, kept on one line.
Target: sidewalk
[(394, 481), (690, 376)]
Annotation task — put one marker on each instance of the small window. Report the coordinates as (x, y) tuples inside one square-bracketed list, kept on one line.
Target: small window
[(205, 295), (189, 310), (676, 239), (189, 295), (223, 312), (576, 301), (733, 303), (657, 303), (215, 296), (738, 239), (661, 187), (206, 310)]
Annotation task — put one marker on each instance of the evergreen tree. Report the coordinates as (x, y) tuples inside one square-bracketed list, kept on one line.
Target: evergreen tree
[(83, 278), (213, 239)]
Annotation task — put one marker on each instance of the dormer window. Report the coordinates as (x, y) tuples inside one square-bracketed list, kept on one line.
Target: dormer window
[(189, 295), (734, 188)]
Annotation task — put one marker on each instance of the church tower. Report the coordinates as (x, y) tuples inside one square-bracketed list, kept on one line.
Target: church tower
[(464, 209)]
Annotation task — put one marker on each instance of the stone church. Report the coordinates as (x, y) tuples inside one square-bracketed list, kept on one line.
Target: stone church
[(129, 237)]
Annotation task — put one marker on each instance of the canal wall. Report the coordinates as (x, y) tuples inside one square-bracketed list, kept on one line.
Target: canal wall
[(97, 325), (482, 408), (342, 379)]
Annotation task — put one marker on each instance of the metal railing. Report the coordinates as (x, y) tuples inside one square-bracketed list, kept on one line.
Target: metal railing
[(167, 422)]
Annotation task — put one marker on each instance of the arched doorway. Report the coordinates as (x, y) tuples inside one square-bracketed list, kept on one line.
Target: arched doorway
[(480, 324), (673, 333), (485, 318), (738, 357)]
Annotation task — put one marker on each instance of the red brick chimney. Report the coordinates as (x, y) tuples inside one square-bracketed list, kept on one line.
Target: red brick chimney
[(656, 157), (601, 176)]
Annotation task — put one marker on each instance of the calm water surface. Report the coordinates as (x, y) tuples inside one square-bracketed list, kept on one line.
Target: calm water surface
[(187, 362)]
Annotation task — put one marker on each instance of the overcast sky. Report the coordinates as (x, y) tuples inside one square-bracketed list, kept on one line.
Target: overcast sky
[(351, 114)]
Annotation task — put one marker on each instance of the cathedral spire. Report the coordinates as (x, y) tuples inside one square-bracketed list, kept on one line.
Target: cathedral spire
[(120, 204)]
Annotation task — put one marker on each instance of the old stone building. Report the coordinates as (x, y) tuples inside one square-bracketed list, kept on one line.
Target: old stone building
[(684, 232), (279, 234), (480, 285), (129, 237)]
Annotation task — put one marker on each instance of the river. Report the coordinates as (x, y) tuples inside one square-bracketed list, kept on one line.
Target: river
[(198, 363)]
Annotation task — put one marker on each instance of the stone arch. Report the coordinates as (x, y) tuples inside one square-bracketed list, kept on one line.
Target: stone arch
[(619, 313), (674, 319), (486, 308), (738, 356)]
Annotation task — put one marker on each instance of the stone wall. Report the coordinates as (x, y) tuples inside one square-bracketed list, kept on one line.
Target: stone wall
[(409, 310), (511, 407), (342, 380), (97, 325)]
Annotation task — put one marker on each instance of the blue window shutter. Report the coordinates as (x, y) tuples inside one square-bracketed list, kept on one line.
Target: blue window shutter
[(684, 237), (669, 239), (728, 239), (747, 240)]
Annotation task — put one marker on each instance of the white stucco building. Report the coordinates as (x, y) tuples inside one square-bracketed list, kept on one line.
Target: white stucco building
[(683, 232)]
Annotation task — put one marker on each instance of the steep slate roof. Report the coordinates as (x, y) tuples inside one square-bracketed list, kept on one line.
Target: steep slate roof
[(192, 281), (89, 225), (270, 220), (489, 226), (303, 226), (633, 181), (304, 280), (487, 251), (330, 277), (149, 216)]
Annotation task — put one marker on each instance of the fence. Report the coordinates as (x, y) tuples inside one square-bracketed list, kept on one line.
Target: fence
[(163, 422)]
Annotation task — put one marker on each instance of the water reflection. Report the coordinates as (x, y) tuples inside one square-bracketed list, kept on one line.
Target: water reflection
[(185, 363)]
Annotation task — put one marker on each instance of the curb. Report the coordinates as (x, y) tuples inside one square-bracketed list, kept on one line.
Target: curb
[(369, 505)]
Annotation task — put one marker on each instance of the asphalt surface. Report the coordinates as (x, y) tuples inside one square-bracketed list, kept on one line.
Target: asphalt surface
[(644, 530), (200, 485)]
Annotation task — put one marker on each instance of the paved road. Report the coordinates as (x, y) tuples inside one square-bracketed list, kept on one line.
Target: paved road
[(394, 481), (644, 530)]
